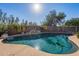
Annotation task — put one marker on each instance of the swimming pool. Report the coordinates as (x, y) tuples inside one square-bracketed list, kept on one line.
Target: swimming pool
[(47, 42)]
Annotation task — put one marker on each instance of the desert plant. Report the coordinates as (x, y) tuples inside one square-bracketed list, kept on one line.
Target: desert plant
[(11, 24), (78, 34)]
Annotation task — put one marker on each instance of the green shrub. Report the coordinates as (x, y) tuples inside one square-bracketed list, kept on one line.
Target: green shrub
[(78, 34)]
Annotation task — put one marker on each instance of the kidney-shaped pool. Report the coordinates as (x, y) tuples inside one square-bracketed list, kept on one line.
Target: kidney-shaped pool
[(47, 42)]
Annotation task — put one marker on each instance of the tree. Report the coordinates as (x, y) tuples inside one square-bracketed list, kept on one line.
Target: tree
[(4, 18), (54, 18), (30, 23), (9, 23), (1, 13), (11, 19), (26, 22), (17, 20), (72, 22)]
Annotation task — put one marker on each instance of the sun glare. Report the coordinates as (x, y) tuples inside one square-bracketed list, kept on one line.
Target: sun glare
[(37, 7), (37, 47)]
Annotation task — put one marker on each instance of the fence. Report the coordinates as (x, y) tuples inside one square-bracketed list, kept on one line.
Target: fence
[(66, 29), (51, 29)]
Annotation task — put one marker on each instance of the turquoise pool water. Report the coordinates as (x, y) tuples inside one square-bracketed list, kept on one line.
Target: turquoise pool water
[(47, 42)]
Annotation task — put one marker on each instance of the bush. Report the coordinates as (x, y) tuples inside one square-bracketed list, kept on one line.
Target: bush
[(78, 34), (13, 29)]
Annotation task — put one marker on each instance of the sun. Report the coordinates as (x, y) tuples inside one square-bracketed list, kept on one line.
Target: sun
[(37, 7)]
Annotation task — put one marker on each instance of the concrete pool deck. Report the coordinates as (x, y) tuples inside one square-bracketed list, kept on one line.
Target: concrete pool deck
[(25, 50)]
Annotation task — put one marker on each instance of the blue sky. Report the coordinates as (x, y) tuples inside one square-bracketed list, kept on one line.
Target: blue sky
[(25, 11)]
